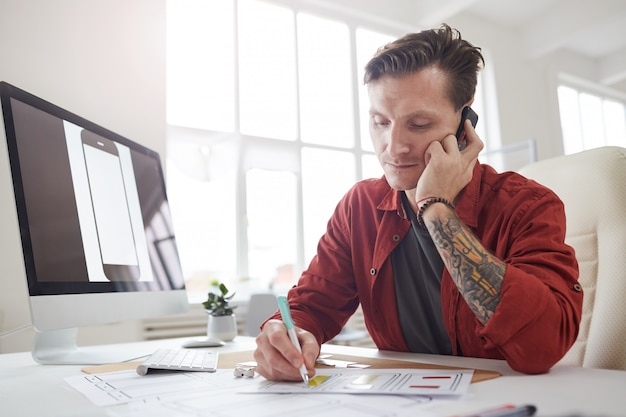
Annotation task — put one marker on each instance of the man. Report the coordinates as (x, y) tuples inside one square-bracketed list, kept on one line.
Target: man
[(444, 255)]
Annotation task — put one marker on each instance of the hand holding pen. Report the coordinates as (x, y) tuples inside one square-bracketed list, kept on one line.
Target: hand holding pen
[(283, 305)]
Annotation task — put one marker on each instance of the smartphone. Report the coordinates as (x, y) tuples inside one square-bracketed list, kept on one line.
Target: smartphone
[(470, 114), (110, 208)]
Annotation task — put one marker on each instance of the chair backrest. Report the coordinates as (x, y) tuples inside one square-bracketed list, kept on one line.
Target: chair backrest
[(592, 185), (260, 307)]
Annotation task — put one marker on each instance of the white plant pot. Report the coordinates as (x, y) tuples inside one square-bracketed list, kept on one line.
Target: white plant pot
[(222, 327)]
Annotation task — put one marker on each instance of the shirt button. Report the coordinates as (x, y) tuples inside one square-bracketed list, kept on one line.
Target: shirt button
[(373, 271), (578, 287), (396, 238)]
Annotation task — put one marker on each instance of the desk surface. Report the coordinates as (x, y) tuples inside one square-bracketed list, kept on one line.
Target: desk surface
[(30, 389)]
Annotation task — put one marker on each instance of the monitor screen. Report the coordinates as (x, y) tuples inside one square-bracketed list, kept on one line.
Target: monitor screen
[(96, 232)]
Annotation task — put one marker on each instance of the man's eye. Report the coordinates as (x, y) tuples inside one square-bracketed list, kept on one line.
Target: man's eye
[(378, 122), (417, 126)]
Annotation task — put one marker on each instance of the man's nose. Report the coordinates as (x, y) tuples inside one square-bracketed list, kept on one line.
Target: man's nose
[(398, 141)]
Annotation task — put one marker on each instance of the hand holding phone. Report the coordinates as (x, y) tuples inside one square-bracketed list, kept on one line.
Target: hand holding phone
[(470, 114)]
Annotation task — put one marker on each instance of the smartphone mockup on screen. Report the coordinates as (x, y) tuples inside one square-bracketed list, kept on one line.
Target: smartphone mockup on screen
[(110, 208), (470, 114)]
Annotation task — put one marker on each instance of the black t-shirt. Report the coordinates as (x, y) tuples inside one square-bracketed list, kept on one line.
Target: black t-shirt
[(417, 269)]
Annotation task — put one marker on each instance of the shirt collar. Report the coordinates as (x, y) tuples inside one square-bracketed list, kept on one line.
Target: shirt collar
[(466, 206), (392, 201)]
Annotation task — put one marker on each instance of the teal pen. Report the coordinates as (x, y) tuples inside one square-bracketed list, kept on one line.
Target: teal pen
[(283, 305)]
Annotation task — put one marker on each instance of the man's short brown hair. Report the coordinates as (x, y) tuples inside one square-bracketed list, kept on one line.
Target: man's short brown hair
[(442, 48)]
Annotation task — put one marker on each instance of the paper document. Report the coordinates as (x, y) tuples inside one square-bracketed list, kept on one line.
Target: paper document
[(374, 381), (126, 394)]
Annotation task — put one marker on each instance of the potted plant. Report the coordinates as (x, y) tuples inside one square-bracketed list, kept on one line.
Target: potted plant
[(222, 322)]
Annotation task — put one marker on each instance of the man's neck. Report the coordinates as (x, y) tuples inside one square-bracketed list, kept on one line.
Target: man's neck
[(410, 196)]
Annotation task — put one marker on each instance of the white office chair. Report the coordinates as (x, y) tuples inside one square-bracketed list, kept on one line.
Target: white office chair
[(260, 307), (592, 185)]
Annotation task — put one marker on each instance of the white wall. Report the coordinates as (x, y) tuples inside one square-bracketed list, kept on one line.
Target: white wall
[(101, 59), (527, 88), (523, 88)]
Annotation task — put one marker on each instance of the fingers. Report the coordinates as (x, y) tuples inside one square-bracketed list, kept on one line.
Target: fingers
[(449, 169), (472, 140), (271, 363), (469, 145), (310, 349), (449, 144), (276, 356), (439, 149)]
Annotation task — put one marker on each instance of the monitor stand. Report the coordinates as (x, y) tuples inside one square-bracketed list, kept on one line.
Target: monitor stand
[(58, 347)]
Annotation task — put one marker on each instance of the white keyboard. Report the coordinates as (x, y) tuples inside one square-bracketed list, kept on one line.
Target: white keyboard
[(187, 360)]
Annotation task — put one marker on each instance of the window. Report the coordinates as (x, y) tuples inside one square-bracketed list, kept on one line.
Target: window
[(590, 119), (267, 129)]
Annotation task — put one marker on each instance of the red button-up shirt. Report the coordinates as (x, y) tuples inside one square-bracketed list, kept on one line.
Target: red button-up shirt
[(520, 221)]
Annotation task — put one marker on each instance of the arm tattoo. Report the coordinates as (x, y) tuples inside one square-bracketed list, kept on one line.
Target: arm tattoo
[(477, 273)]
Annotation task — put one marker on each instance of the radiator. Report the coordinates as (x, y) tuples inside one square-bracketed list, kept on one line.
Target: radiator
[(194, 322)]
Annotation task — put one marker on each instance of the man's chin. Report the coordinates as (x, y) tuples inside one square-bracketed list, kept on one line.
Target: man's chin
[(400, 185)]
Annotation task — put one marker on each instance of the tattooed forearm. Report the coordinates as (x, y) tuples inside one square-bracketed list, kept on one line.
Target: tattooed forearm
[(477, 273)]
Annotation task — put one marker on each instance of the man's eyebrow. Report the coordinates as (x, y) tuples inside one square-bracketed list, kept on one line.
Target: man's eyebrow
[(417, 114)]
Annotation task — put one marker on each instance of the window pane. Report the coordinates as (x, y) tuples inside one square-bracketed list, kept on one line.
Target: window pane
[(615, 123), (204, 227), (326, 114), (591, 120), (194, 98), (326, 177), (570, 121), (367, 43), (267, 71), (272, 227)]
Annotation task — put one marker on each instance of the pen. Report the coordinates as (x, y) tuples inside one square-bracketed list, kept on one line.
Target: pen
[(508, 410), (283, 305)]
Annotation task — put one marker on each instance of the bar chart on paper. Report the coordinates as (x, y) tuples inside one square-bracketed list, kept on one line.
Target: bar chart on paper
[(376, 381)]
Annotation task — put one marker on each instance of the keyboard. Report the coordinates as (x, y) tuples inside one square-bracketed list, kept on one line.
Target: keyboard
[(187, 360)]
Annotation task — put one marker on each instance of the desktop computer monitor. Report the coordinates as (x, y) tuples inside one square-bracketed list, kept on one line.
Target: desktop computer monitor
[(95, 227)]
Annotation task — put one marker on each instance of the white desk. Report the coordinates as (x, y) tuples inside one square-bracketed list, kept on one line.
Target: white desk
[(30, 389)]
